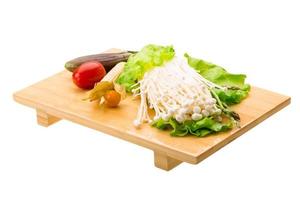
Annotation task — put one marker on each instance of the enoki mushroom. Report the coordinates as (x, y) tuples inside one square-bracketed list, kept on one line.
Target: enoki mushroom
[(175, 90)]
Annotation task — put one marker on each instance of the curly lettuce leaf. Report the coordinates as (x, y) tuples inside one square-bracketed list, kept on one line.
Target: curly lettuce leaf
[(138, 64), (233, 96), (237, 91), (198, 128)]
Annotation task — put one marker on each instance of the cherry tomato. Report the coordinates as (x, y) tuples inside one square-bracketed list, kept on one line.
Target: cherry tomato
[(88, 73), (112, 98)]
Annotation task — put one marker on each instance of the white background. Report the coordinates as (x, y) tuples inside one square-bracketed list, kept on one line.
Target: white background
[(68, 161)]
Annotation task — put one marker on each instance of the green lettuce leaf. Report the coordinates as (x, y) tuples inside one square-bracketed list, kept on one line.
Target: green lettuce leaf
[(237, 91), (198, 128), (233, 96), (138, 64)]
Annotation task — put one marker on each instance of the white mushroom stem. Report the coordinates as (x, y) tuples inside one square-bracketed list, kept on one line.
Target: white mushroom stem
[(175, 90)]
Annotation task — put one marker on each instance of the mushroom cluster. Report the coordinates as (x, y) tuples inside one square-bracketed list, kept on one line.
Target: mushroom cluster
[(175, 90)]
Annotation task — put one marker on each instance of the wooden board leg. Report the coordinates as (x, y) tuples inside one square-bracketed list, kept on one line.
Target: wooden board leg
[(163, 161), (44, 119)]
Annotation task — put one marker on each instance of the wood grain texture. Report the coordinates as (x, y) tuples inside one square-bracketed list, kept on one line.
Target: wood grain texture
[(165, 162), (44, 119), (58, 98)]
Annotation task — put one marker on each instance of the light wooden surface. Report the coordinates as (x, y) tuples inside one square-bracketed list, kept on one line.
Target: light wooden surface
[(58, 98), (163, 161), (44, 119)]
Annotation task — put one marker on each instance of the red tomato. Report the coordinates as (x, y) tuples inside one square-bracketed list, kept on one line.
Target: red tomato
[(88, 73)]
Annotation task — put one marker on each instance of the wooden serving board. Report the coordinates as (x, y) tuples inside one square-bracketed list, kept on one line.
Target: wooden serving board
[(58, 98)]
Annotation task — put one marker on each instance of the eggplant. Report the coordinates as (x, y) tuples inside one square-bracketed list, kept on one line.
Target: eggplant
[(108, 60)]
